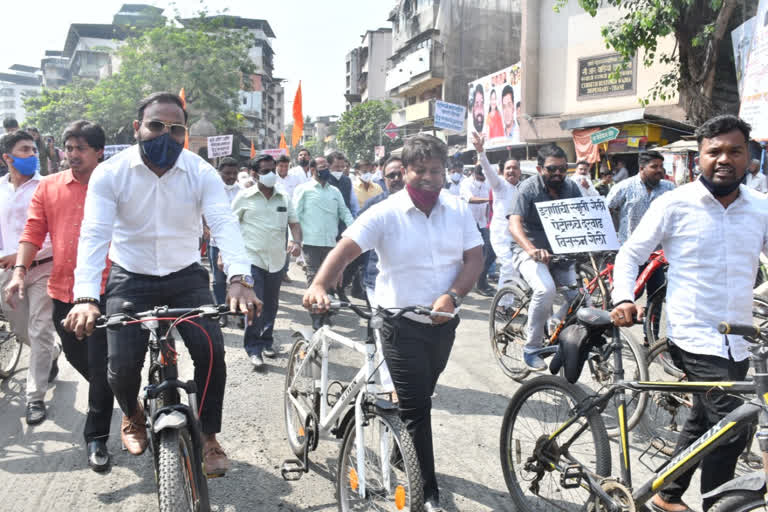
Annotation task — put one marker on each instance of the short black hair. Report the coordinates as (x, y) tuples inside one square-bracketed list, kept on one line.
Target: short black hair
[(508, 90), (161, 97), (582, 162), (478, 89), (424, 147), (719, 125), (647, 157), (303, 149), (10, 122), (283, 159), (92, 133), (255, 164), (363, 161), (335, 155), (479, 170), (10, 140), (390, 160), (228, 161), (550, 151)]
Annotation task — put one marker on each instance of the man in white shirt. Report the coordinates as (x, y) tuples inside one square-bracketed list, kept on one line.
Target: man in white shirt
[(454, 179), (143, 207), (583, 180), (408, 231), (30, 316), (476, 192), (302, 172), (712, 231), (754, 179), (285, 180), (622, 173)]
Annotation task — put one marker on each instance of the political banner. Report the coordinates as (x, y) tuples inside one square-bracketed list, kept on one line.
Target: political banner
[(449, 116), (113, 149), (275, 153), (741, 38), (220, 145), (494, 107), (754, 97), (580, 224)]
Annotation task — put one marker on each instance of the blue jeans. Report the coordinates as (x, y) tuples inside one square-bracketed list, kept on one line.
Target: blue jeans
[(266, 286), (219, 277), (488, 257)]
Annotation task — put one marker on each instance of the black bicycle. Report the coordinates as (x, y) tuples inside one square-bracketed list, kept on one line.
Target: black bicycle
[(10, 348), (173, 426)]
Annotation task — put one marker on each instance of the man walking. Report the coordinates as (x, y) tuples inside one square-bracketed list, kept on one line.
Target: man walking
[(755, 179), (364, 188), (337, 163), (302, 171), (264, 213), (84, 147), (30, 316), (476, 192)]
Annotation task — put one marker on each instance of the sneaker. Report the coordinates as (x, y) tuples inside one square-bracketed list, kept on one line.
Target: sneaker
[(269, 352), (257, 361), (533, 361)]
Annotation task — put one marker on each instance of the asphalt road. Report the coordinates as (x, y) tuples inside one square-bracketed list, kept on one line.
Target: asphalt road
[(44, 467)]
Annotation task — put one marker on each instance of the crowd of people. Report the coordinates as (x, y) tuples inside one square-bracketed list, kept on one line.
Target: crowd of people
[(132, 227)]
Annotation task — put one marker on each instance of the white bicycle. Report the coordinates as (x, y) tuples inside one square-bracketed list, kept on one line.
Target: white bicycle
[(377, 465)]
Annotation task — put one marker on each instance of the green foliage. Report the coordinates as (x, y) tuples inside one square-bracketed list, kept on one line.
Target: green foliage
[(358, 129), (205, 57), (314, 146)]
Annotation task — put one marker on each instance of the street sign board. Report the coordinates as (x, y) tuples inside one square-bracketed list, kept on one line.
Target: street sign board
[(449, 116), (391, 130), (605, 135)]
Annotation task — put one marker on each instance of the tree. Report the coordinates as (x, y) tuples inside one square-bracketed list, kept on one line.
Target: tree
[(701, 29), (206, 57), (358, 129)]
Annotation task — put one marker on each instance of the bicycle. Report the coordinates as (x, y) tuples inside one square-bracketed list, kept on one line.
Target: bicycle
[(569, 457), (10, 348), (173, 427), (377, 464)]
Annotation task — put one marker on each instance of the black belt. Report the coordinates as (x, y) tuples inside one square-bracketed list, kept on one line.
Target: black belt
[(40, 262)]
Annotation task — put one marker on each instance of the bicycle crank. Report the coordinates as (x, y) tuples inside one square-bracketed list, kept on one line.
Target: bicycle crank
[(618, 492)]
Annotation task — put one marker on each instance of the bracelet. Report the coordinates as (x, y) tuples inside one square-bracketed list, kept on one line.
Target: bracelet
[(86, 300), (20, 266)]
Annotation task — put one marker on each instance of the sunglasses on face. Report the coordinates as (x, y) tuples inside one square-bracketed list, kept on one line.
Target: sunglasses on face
[(562, 169), (394, 175), (176, 130)]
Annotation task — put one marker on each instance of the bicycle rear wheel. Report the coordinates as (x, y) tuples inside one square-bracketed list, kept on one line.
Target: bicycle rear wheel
[(506, 324), (655, 321), (392, 475), (529, 447), (599, 293), (300, 386), (179, 474), (740, 501), (10, 348)]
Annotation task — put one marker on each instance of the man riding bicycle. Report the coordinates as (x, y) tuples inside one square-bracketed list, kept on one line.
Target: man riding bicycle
[(533, 251)]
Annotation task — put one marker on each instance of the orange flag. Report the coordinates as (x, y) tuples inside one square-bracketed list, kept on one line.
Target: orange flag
[(253, 151), (183, 97), (298, 118), (283, 144)]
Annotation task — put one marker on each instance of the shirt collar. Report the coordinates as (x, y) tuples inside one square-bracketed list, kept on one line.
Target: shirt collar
[(6, 180), (705, 195), (252, 191), (405, 203)]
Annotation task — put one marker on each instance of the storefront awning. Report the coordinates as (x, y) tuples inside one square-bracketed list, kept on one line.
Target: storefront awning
[(635, 115)]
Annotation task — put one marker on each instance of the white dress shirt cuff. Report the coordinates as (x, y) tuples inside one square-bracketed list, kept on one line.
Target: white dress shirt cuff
[(92, 290), (238, 269)]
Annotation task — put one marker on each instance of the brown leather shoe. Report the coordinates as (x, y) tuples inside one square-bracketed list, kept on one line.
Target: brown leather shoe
[(215, 460), (133, 432)]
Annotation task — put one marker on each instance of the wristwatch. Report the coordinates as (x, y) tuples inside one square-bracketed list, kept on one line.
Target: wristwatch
[(242, 279), (455, 297)]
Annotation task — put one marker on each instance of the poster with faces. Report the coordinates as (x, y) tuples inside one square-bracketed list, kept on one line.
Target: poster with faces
[(494, 107)]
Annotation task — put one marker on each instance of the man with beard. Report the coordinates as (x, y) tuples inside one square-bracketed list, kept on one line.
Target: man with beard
[(712, 231), (302, 171), (533, 251), (478, 108), (143, 208)]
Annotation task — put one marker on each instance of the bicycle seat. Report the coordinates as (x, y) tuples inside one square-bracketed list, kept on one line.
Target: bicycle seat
[(594, 317)]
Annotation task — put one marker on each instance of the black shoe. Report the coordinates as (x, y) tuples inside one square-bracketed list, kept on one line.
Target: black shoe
[(98, 456), (269, 352), (223, 321), (287, 279), (54, 370), (486, 290), (241, 322), (35, 412), (432, 505)]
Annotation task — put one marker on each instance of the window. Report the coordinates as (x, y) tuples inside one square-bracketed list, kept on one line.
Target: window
[(8, 104), (245, 100), (6, 91)]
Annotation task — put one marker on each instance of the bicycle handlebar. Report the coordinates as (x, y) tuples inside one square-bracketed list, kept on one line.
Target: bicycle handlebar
[(122, 318), (750, 331)]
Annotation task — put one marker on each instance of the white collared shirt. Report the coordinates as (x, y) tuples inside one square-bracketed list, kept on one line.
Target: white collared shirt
[(14, 203), (579, 179), (454, 188), (152, 222), (504, 194), (419, 256), (289, 184), (231, 191), (713, 255), (475, 188), (301, 175), (757, 182)]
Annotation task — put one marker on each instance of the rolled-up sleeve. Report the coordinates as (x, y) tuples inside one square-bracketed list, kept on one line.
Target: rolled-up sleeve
[(95, 234), (223, 225), (494, 180)]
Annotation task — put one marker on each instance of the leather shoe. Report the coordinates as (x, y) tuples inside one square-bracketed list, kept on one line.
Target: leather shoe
[(215, 461), (98, 456), (133, 432), (269, 352), (35, 412), (432, 506), (54, 370)]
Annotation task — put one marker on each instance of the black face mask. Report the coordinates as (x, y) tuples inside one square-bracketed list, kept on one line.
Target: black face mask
[(718, 190)]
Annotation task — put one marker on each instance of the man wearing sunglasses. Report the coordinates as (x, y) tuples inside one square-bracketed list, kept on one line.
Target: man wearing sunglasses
[(144, 207), (533, 252)]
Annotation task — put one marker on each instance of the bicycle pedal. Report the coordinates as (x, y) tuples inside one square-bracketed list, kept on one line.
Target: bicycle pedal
[(572, 476), (292, 470)]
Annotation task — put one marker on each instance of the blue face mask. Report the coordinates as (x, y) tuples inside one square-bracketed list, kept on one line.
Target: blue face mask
[(161, 151), (26, 166), (324, 175)]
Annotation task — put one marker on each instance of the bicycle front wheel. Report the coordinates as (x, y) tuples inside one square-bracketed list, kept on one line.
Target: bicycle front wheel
[(740, 501), (530, 449), (301, 395), (179, 474), (507, 323), (10, 348), (391, 478)]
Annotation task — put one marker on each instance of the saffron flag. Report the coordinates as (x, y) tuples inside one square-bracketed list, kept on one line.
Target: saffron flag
[(253, 151), (283, 144), (298, 118), (183, 97)]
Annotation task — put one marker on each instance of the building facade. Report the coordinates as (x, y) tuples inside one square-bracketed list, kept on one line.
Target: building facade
[(15, 86), (366, 67)]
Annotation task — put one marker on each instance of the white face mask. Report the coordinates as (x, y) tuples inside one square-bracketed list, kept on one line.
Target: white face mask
[(455, 177), (337, 174), (268, 180), (365, 177)]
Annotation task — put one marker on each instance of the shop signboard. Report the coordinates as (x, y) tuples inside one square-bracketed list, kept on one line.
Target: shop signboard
[(596, 77), (605, 135)]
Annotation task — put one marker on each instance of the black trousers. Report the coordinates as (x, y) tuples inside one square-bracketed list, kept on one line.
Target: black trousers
[(488, 257), (717, 467), (127, 346), (266, 286), (416, 355), (314, 256), (89, 358)]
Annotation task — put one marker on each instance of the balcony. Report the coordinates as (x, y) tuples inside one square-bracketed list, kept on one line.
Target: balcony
[(416, 72), (416, 113)]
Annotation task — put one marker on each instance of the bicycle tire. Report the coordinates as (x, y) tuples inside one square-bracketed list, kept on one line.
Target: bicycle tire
[(507, 338), (596, 451), (655, 321), (740, 501), (405, 489), (10, 348), (294, 421), (178, 475), (600, 293)]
